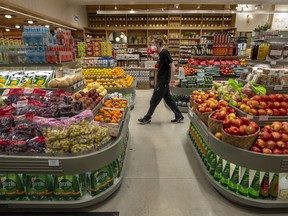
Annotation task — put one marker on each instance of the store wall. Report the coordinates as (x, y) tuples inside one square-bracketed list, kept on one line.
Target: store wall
[(57, 9), (280, 21), (242, 23)]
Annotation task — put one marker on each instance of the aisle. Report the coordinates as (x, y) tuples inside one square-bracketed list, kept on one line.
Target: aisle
[(162, 177)]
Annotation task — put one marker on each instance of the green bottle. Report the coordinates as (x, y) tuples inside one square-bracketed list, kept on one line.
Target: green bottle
[(273, 188), (208, 154), (243, 187), (264, 188), (233, 183), (254, 189), (218, 170), (225, 175), (213, 164), (205, 155)]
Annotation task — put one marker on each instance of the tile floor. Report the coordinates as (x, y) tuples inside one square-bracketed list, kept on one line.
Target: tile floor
[(162, 177)]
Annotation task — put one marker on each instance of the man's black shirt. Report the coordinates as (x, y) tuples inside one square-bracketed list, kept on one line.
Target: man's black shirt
[(164, 75)]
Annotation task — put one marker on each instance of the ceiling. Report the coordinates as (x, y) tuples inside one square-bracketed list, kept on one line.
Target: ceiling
[(117, 2)]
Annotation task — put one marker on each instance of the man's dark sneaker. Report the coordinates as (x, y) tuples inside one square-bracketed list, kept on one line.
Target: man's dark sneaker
[(178, 120), (144, 121)]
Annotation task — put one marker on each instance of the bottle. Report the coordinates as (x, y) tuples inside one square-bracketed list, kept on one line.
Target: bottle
[(233, 183), (264, 188), (225, 175), (218, 170), (213, 164), (209, 152), (244, 184), (273, 188), (254, 188)]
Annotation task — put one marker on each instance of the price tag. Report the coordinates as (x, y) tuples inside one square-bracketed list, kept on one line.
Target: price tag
[(53, 163), (21, 104), (263, 118), (191, 113), (278, 87), (250, 116), (79, 84), (75, 86), (273, 62), (63, 118), (282, 72)]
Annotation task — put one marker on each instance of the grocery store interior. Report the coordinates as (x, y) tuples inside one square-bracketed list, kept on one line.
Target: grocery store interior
[(76, 84)]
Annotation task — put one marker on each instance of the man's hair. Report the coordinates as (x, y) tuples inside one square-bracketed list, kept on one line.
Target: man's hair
[(159, 41)]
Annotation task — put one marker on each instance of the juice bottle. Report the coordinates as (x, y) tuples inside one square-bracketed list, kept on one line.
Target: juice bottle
[(254, 188), (213, 164), (233, 183), (264, 188), (225, 175), (263, 51), (273, 188), (244, 184), (218, 170)]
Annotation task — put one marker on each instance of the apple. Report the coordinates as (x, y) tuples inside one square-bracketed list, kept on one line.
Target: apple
[(255, 125), (284, 104), (256, 149), (266, 136), (253, 112), (226, 130), (218, 135), (283, 112), (273, 97), (269, 112), (279, 97), (253, 104), (245, 120), (231, 116), (270, 105), (246, 109), (277, 151), (256, 97), (267, 128), (245, 100), (261, 143), (284, 137), (233, 130), (213, 106), (285, 128), (250, 129), (285, 151), (266, 151), (262, 105), (285, 97), (208, 109), (271, 144), (276, 112), (231, 110), (222, 115), (242, 129), (276, 126), (223, 109), (223, 103), (262, 112), (280, 144), (277, 104), (236, 122), (276, 136), (265, 98), (201, 109), (226, 124)]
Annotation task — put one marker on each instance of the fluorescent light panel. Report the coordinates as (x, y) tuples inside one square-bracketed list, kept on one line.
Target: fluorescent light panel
[(44, 20)]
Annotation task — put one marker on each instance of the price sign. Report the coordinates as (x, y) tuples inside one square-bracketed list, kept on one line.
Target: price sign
[(263, 118), (278, 87), (250, 116), (273, 62), (191, 113), (75, 86), (53, 163)]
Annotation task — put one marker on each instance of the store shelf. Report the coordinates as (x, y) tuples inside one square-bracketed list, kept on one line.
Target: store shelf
[(260, 203), (241, 157), (66, 164), (64, 64), (128, 90), (281, 62), (216, 57)]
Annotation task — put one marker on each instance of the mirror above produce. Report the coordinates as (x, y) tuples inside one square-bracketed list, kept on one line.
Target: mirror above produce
[(118, 37)]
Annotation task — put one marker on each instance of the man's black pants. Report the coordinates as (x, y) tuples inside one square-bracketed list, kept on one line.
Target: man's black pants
[(162, 91)]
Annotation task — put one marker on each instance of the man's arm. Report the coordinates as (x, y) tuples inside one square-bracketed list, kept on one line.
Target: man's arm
[(172, 69)]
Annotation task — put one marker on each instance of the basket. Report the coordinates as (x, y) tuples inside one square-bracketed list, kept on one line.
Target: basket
[(192, 101), (214, 125), (244, 142), (203, 116)]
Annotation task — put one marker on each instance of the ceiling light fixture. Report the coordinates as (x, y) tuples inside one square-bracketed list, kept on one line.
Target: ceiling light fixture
[(162, 9), (213, 11), (8, 16), (17, 26), (30, 22), (131, 11), (115, 8), (176, 6), (256, 8), (7, 29), (47, 26), (38, 18)]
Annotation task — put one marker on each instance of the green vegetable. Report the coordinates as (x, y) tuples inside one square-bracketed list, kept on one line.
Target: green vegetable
[(259, 90)]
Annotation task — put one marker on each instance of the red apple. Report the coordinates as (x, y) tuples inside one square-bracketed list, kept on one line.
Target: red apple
[(284, 137), (253, 112), (250, 129), (208, 109), (242, 130), (267, 128), (223, 109), (261, 143), (253, 104), (265, 98), (276, 112), (266, 151), (231, 110), (276, 126), (285, 128), (271, 144), (233, 130), (245, 100), (256, 97), (262, 112), (266, 136), (213, 106), (256, 149), (269, 112), (223, 103), (273, 97), (222, 115), (280, 144), (277, 104), (285, 151), (270, 105), (245, 120), (226, 130), (283, 112), (285, 97), (277, 151), (262, 105), (276, 136), (280, 97), (236, 122), (284, 105), (226, 124), (255, 125)]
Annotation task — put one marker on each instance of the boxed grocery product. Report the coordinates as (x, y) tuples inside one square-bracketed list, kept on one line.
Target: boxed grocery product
[(39, 187), (68, 187), (11, 187), (100, 180)]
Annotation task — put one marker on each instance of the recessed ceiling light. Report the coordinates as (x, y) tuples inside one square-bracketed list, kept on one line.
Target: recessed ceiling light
[(233, 11), (17, 26), (30, 22), (131, 11), (7, 29), (256, 8), (8, 16), (47, 26), (213, 11), (115, 8)]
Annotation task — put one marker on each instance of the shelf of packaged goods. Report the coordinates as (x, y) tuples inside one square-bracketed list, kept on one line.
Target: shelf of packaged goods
[(128, 90), (85, 201), (260, 203), (65, 163), (241, 157), (186, 91), (270, 62), (64, 64)]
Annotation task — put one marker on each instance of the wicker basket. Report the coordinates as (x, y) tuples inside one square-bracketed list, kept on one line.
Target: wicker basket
[(203, 116), (214, 125), (192, 101), (244, 142)]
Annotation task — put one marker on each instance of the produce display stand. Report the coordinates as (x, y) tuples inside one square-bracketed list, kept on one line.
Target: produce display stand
[(61, 165), (241, 157)]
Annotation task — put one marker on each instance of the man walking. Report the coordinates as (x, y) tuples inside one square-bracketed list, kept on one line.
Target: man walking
[(165, 80)]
